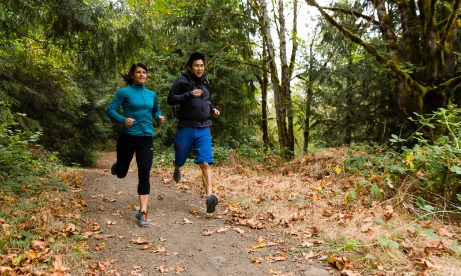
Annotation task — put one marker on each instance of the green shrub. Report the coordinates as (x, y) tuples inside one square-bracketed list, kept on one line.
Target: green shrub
[(21, 160), (433, 165)]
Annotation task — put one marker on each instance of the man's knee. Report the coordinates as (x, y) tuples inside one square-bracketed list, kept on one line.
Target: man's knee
[(204, 165)]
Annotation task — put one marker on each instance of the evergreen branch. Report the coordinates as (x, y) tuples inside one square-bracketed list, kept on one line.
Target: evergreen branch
[(398, 72), (451, 20), (249, 64), (356, 13)]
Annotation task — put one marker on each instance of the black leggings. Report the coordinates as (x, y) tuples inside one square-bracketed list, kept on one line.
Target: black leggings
[(127, 145)]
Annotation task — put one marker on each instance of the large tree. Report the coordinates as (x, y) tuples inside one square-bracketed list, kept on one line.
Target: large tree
[(281, 81), (420, 46)]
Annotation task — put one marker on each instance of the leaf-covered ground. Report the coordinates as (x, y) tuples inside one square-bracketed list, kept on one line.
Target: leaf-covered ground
[(181, 238), (292, 218)]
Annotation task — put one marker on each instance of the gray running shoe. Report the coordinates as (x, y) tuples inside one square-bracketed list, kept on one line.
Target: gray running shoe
[(211, 202), (177, 175)]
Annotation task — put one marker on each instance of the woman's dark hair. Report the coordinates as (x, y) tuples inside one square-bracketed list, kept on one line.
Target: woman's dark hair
[(128, 78), (195, 56)]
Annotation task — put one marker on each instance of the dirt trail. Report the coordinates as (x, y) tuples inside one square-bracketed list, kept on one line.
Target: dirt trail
[(183, 240)]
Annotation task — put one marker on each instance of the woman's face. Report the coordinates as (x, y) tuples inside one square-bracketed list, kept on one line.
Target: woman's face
[(139, 75)]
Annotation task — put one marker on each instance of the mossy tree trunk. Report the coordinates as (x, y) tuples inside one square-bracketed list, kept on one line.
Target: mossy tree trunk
[(420, 39), (281, 83)]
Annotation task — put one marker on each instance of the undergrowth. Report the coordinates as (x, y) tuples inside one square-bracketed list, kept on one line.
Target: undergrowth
[(429, 170), (36, 231)]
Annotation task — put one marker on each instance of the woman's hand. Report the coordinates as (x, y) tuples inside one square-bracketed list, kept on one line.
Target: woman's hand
[(161, 120), (129, 122)]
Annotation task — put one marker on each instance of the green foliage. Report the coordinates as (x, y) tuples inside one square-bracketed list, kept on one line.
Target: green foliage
[(431, 163), (435, 161), (22, 161), (54, 60), (218, 29)]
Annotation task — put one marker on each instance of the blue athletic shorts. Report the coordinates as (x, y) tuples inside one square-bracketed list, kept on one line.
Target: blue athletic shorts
[(198, 138)]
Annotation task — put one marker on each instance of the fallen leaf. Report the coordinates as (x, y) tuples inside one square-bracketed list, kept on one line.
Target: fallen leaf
[(309, 255), (117, 213), (186, 221), (101, 237), (100, 246), (148, 246), (140, 240), (341, 263), (222, 229), (206, 232), (164, 268), (160, 249), (307, 244), (184, 187), (444, 233), (159, 197), (366, 228), (240, 231), (70, 228), (180, 269), (260, 244), (257, 260), (281, 257), (81, 201), (389, 212), (424, 264), (327, 213), (58, 267)]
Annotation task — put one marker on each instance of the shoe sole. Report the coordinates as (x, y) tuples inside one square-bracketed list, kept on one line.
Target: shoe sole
[(211, 203)]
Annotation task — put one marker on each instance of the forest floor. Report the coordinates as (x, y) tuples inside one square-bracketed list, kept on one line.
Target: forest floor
[(278, 219), (181, 237)]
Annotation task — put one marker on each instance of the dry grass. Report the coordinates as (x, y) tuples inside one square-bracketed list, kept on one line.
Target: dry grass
[(306, 200), (40, 232)]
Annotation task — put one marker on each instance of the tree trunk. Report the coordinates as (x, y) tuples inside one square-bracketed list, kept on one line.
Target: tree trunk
[(264, 82), (281, 85), (420, 50)]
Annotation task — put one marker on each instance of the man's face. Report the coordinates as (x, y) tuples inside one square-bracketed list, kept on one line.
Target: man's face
[(198, 68)]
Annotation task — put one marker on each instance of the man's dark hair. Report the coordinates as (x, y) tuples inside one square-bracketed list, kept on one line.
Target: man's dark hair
[(195, 56)]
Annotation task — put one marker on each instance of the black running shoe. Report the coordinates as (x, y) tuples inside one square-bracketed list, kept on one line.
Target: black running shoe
[(211, 202), (113, 169), (177, 175)]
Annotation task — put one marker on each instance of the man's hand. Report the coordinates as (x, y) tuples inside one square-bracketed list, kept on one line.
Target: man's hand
[(197, 92), (215, 112)]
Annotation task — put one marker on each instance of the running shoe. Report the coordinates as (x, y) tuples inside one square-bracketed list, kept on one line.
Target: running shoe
[(211, 201)]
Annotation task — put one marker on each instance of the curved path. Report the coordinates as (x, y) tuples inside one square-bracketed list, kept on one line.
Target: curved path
[(181, 239)]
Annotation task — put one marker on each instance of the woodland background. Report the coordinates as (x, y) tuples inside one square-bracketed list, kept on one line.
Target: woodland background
[(380, 78)]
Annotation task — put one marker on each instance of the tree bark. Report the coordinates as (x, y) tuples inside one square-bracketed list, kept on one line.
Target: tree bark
[(281, 85), (420, 50)]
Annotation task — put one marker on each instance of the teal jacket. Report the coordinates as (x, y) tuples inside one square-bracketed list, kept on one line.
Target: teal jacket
[(138, 103)]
